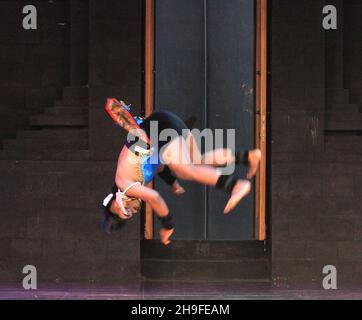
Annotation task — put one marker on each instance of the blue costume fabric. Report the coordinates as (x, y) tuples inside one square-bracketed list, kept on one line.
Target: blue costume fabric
[(150, 165)]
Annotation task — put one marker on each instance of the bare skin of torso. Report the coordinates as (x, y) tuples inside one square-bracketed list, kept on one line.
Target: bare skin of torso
[(127, 169)]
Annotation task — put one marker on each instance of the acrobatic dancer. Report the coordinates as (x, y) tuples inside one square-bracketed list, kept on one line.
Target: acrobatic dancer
[(181, 159)]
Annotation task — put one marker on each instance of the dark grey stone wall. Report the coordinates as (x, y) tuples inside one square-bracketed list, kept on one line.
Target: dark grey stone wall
[(79, 33), (297, 103), (335, 48), (115, 69), (51, 210), (315, 194), (50, 213), (353, 48), (33, 63)]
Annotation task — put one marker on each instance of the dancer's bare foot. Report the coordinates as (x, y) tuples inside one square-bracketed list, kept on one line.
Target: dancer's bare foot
[(254, 159), (165, 235), (240, 190)]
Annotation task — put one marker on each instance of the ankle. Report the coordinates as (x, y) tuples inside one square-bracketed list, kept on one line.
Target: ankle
[(226, 183)]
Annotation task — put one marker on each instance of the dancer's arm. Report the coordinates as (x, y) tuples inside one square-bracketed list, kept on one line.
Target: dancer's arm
[(148, 195)]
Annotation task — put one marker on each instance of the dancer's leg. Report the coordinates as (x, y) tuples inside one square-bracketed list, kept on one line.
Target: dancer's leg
[(218, 157), (176, 156), (223, 157)]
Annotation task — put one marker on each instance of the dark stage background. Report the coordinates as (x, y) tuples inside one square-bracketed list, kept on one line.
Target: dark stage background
[(197, 46), (59, 149)]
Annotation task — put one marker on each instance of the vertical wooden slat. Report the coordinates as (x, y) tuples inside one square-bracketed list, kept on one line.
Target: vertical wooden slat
[(261, 109), (257, 112), (149, 90)]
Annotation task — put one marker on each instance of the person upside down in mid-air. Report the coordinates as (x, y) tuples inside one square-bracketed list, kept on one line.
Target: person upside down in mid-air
[(178, 158)]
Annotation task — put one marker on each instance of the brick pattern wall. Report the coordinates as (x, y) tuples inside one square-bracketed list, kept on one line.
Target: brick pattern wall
[(315, 200), (115, 68), (50, 213), (33, 63), (353, 47), (51, 210)]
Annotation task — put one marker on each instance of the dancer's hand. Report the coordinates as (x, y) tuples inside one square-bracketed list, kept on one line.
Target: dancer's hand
[(177, 188)]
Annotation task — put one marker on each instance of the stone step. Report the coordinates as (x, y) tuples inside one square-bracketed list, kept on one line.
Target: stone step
[(342, 107), (204, 260), (66, 155), (53, 133), (41, 144), (343, 115), (206, 290), (339, 159), (344, 121), (65, 111), (344, 125), (202, 250), (188, 270), (59, 121), (339, 96), (75, 93), (345, 143), (71, 103)]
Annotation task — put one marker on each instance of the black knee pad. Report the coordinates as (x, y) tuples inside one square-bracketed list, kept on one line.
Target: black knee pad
[(167, 222)]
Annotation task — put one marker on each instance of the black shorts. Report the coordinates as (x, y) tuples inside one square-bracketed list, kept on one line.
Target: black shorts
[(165, 120)]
